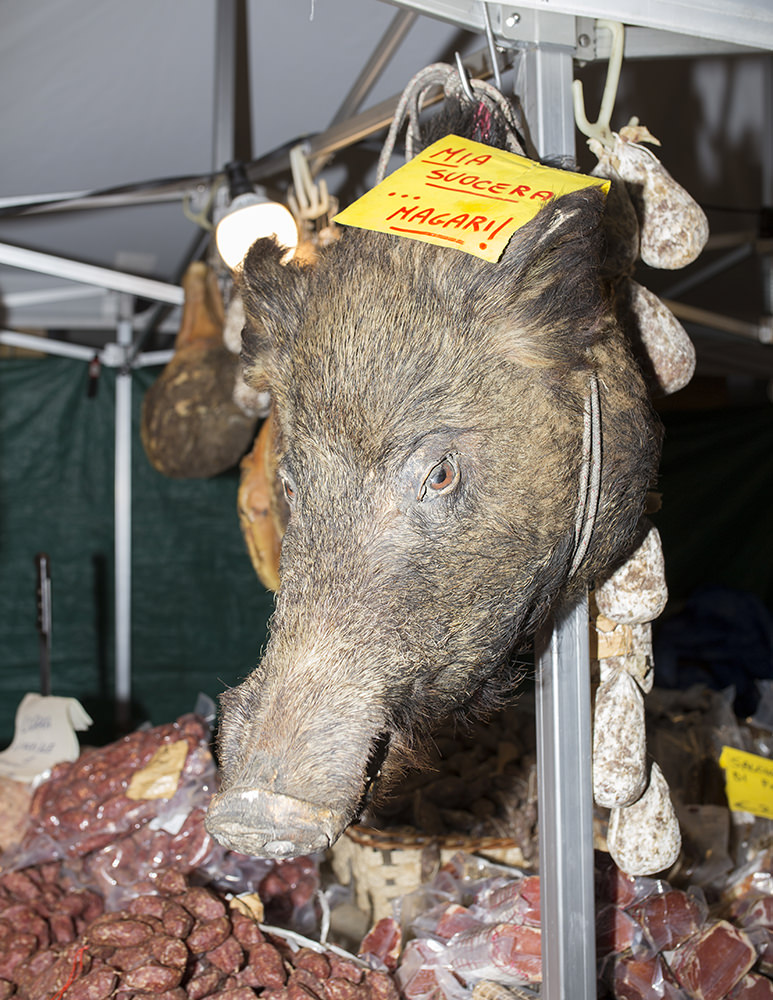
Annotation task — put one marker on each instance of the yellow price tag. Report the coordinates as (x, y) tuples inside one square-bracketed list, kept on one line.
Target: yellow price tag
[(463, 194), (748, 781)]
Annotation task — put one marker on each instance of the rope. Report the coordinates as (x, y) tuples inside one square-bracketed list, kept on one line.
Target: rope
[(490, 101), (590, 476)]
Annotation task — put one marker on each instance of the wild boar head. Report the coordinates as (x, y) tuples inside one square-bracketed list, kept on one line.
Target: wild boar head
[(430, 417)]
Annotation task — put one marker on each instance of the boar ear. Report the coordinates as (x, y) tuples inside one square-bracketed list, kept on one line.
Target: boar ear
[(543, 299), (273, 295)]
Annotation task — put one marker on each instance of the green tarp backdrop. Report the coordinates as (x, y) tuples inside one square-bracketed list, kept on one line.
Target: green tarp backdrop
[(199, 612)]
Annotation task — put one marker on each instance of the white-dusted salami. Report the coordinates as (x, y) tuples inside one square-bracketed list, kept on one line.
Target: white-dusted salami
[(662, 342), (619, 742), (673, 227), (643, 838), (636, 592)]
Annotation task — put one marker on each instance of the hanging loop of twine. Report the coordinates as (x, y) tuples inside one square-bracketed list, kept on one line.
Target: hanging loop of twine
[(449, 79), (590, 476)]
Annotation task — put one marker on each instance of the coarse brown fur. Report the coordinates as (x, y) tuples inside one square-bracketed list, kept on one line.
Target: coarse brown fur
[(397, 606)]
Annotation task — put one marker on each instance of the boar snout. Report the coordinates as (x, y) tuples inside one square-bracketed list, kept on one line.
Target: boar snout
[(297, 752), (256, 820), (259, 822)]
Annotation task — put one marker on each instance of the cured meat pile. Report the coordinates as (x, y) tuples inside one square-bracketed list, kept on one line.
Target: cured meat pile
[(182, 942), (477, 927), (123, 901), (122, 813), (38, 915), (91, 802), (116, 890)]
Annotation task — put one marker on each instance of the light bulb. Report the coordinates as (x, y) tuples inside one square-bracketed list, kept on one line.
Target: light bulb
[(252, 216)]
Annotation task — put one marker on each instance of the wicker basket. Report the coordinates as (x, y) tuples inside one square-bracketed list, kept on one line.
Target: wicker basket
[(382, 865)]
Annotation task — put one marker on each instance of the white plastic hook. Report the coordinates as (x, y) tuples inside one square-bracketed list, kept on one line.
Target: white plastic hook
[(600, 128), (308, 200)]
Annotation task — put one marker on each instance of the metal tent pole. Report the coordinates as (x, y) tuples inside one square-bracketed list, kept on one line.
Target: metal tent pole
[(390, 42), (123, 517), (224, 136), (563, 672), (102, 277), (32, 342), (767, 187), (565, 803)]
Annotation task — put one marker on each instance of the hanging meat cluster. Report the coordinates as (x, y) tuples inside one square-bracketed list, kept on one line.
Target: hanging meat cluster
[(643, 835), (195, 423), (649, 216)]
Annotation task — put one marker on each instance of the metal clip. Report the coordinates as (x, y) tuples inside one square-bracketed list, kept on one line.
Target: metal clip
[(491, 46)]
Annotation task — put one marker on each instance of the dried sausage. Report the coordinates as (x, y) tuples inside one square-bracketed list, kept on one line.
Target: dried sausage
[(119, 933), (169, 950), (152, 978), (204, 984), (228, 956), (312, 961), (208, 934), (643, 838), (202, 903), (98, 984), (267, 965)]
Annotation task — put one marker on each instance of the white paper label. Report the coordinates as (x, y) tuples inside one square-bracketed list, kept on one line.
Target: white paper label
[(44, 735)]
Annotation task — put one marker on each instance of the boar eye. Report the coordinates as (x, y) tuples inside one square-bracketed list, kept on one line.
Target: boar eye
[(441, 478), (288, 487)]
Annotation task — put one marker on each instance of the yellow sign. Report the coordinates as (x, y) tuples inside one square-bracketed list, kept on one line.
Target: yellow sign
[(748, 781), (463, 194)]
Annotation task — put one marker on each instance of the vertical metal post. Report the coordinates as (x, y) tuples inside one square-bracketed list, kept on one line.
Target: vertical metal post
[(123, 516), (566, 808), (224, 137), (563, 661), (547, 99), (44, 619), (766, 259)]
